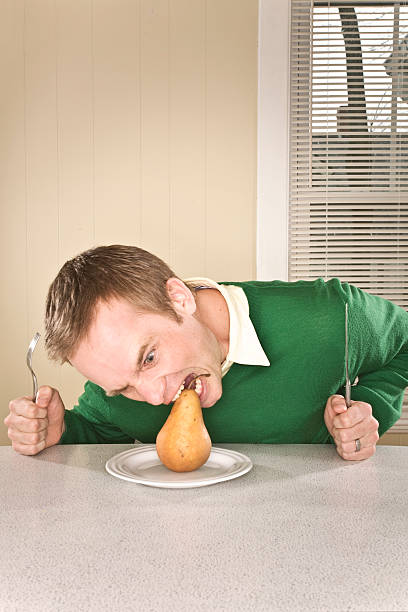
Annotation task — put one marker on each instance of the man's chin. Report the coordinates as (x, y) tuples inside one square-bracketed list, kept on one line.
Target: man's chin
[(208, 402)]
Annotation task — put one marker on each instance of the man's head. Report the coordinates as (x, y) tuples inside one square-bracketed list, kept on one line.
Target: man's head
[(122, 318), (98, 275)]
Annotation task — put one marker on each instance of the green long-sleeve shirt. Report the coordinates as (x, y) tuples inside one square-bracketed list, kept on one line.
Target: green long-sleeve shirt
[(301, 328)]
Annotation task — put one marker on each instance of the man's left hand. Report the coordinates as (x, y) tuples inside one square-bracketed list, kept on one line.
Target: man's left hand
[(346, 425)]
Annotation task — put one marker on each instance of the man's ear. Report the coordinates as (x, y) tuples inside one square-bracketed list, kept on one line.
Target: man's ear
[(181, 297)]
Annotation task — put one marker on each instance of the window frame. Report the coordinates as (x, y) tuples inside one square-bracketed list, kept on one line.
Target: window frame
[(273, 140)]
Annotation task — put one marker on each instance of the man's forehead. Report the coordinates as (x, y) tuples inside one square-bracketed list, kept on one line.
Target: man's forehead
[(120, 314), (118, 308), (118, 332)]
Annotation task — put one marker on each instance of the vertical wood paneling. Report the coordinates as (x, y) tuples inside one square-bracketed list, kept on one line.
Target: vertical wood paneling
[(116, 121), (231, 138), (75, 127), (13, 253), (154, 67), (187, 137)]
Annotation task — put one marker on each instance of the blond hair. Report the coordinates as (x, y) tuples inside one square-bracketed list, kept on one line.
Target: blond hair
[(99, 274)]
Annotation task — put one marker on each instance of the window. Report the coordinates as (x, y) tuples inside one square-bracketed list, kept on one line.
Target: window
[(348, 200)]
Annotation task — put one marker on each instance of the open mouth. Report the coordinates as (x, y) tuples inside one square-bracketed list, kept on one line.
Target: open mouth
[(198, 387)]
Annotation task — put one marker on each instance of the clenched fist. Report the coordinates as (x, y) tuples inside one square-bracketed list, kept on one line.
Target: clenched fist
[(346, 425), (35, 426)]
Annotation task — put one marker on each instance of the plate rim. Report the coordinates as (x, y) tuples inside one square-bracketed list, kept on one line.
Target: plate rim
[(246, 466)]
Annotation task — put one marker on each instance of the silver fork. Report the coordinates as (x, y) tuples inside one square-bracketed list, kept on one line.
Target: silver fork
[(31, 348)]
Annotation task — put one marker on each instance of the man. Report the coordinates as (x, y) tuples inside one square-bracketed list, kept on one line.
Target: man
[(274, 352)]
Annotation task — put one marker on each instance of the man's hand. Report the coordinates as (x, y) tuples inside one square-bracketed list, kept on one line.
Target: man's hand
[(35, 426), (348, 425)]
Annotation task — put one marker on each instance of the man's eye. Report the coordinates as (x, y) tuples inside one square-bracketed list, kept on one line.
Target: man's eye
[(149, 358)]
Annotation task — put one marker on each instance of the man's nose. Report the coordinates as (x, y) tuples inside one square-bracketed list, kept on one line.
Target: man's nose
[(152, 391)]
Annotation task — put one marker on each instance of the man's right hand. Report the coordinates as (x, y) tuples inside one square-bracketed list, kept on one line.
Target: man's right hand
[(35, 426)]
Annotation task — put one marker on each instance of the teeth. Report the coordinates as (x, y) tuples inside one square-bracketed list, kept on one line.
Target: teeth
[(178, 392), (198, 389)]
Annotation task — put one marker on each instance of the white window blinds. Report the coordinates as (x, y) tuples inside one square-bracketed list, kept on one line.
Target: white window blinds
[(348, 207)]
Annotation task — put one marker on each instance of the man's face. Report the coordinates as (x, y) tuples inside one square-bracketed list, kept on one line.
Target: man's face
[(147, 356)]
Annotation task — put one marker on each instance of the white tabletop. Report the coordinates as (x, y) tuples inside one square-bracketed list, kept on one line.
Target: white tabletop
[(304, 530)]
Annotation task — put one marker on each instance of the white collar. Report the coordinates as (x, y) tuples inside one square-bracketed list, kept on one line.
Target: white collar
[(244, 345)]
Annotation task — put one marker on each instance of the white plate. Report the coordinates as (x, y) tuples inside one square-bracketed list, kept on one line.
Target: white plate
[(142, 465)]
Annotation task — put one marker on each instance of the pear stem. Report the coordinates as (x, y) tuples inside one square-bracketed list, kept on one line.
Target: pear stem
[(195, 378)]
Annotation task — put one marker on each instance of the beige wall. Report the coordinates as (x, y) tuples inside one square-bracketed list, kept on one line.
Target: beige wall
[(122, 121)]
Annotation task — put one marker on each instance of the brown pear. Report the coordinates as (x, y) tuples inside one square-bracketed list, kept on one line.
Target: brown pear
[(183, 443)]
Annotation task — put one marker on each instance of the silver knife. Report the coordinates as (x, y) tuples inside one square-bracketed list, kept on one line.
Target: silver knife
[(348, 384)]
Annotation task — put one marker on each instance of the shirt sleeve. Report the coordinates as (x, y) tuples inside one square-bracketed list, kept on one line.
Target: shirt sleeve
[(378, 353), (89, 422)]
